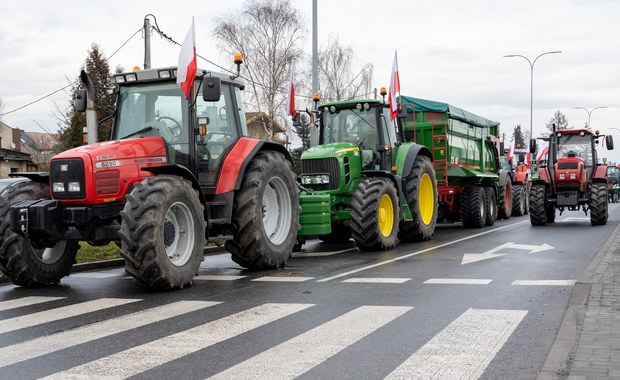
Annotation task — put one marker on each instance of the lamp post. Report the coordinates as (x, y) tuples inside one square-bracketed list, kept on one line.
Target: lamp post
[(532, 81), (589, 113)]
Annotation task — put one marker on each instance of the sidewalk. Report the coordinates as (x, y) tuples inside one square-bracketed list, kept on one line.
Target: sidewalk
[(588, 342)]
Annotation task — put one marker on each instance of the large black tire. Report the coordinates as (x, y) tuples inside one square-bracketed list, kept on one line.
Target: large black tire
[(473, 207), (518, 200), (550, 212), (538, 208), (163, 232), (599, 212), (20, 262), (375, 214), (340, 234), (505, 199), (265, 216), (491, 203), (421, 195)]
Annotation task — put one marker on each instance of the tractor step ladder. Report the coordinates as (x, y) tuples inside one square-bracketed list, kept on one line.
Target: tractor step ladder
[(439, 147)]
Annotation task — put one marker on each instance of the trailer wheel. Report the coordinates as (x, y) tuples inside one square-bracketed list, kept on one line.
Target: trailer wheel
[(20, 262), (163, 232), (505, 199), (421, 195), (375, 214), (599, 212), (518, 200), (538, 210), (265, 217), (473, 207), (340, 234), (491, 202)]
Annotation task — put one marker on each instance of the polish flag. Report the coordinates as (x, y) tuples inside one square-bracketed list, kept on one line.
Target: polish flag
[(528, 160), (511, 153), (543, 152), (186, 69), (291, 93), (394, 89)]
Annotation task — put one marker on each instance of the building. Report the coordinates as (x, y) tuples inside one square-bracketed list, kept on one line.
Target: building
[(40, 146), (257, 121), (12, 159)]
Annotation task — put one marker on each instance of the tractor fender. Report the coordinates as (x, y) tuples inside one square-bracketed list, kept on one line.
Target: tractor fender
[(238, 158), (412, 153), (43, 177), (600, 174), (178, 170)]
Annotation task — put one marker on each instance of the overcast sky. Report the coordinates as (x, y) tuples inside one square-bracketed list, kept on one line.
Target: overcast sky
[(450, 51)]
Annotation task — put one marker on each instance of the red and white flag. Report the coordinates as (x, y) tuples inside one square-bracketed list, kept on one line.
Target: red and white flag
[(291, 93), (394, 89), (544, 149), (186, 69), (528, 160), (511, 152)]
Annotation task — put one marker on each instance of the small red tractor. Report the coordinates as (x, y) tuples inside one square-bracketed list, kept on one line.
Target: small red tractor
[(572, 179), (175, 175)]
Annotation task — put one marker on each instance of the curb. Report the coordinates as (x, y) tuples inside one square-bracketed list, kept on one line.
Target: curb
[(557, 364), (115, 263)]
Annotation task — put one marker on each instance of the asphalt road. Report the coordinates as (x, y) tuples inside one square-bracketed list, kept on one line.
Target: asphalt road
[(469, 303)]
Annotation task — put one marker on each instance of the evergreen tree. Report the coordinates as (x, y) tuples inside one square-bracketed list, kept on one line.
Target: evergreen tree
[(518, 137), (98, 70)]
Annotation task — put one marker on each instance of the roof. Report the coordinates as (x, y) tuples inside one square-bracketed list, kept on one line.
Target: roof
[(424, 105), (261, 117)]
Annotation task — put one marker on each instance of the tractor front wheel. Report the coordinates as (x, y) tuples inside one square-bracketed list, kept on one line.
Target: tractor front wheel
[(518, 200), (22, 263), (599, 212), (375, 214), (505, 199), (538, 209), (265, 216), (163, 232)]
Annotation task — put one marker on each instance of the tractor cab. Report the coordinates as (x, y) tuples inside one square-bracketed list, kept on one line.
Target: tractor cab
[(361, 123)]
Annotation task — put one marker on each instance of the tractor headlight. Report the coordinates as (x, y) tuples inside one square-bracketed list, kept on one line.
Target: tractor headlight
[(562, 176), (58, 187), (573, 175), (315, 179), (74, 186)]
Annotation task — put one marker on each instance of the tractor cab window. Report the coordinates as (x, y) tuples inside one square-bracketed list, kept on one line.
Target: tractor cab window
[(354, 126), (221, 133), (576, 146), (155, 110)]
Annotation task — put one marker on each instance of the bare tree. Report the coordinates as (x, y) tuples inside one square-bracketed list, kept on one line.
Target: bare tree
[(339, 79), (269, 34), (560, 121)]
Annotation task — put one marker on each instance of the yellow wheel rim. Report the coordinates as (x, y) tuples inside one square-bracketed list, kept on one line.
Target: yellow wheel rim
[(426, 199), (386, 215)]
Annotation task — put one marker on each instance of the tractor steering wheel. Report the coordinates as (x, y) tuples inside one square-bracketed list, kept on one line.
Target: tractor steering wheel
[(175, 129)]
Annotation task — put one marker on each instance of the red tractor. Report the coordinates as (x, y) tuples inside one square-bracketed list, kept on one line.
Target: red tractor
[(572, 179), (175, 175)]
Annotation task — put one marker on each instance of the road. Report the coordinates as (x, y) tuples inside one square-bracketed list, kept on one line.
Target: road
[(468, 304)]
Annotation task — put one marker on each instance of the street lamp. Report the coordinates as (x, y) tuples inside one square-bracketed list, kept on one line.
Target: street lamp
[(532, 81), (589, 113)]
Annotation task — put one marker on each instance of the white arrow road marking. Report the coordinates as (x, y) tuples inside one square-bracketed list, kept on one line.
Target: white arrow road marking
[(464, 348), (492, 253)]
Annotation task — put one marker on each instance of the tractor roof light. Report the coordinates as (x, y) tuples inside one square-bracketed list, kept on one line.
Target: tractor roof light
[(119, 78), (383, 91), (366, 106), (164, 74), (238, 58), (316, 97), (582, 133), (358, 106), (332, 109), (131, 77)]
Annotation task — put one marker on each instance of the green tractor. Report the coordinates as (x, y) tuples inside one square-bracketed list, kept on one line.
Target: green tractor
[(364, 181)]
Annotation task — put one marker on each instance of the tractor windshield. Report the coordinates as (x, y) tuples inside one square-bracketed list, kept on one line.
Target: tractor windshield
[(349, 125), (576, 146)]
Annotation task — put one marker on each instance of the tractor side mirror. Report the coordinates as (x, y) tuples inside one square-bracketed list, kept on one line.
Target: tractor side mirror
[(532, 146), (80, 101), (609, 142), (211, 89), (297, 120), (502, 150)]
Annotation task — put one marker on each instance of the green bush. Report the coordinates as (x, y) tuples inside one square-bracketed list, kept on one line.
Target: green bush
[(88, 253)]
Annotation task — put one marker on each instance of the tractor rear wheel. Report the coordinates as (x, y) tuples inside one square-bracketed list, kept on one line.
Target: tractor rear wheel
[(538, 209), (473, 207), (505, 199), (599, 212), (421, 194), (375, 214), (22, 263), (518, 200), (265, 215), (163, 232), (491, 202)]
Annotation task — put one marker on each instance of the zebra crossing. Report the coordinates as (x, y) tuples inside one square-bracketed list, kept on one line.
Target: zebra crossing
[(463, 349)]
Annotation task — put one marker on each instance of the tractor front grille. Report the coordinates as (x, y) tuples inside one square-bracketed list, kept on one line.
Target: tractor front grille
[(322, 166)]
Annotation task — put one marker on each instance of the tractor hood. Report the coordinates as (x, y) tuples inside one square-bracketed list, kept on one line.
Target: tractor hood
[(340, 149)]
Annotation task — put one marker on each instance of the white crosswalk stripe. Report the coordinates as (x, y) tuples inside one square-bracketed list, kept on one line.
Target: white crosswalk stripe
[(30, 320), (313, 347), (464, 348), (26, 301), (144, 357), (55, 342)]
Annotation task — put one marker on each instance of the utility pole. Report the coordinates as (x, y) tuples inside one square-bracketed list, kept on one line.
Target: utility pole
[(315, 67), (147, 42)]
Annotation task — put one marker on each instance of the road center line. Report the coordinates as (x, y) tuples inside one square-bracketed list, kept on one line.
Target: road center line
[(416, 253)]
